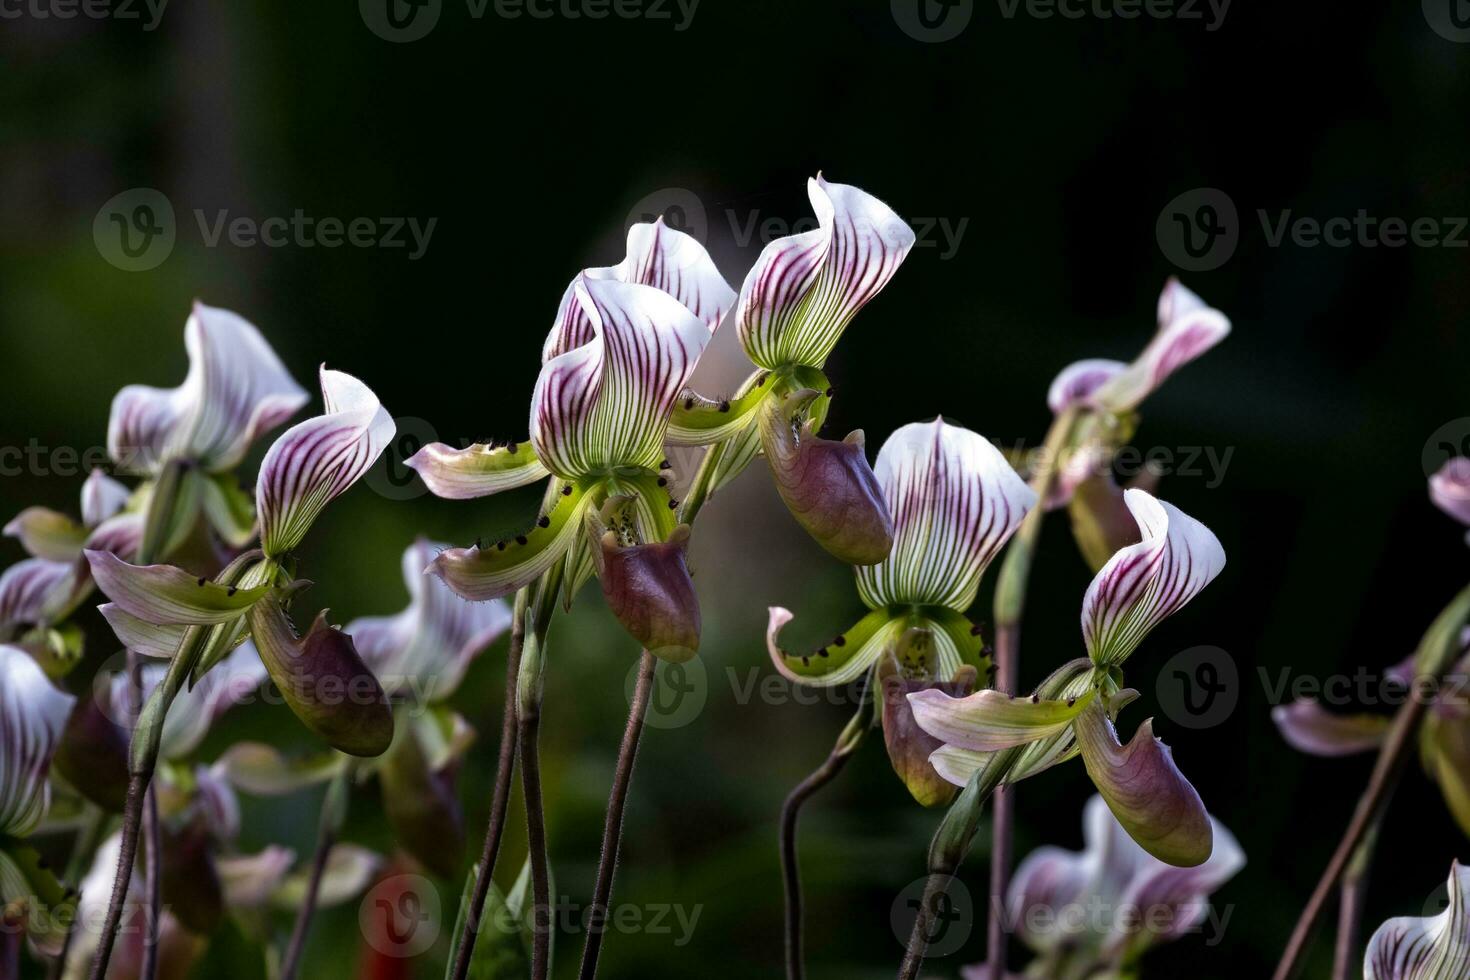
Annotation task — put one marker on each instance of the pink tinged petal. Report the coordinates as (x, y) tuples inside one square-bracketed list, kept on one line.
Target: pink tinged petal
[(45, 533), (262, 770), (1145, 790), (32, 716), (1450, 489), (648, 590), (249, 880), (1079, 381), (477, 471), (1187, 328), (1429, 948), (658, 256), (166, 595), (118, 535), (1145, 583), (955, 501), (236, 389), (424, 651), (317, 460), (805, 289), (147, 639), (102, 497), (606, 404), (35, 591), (1049, 880), (988, 721), (1310, 728), (349, 870)]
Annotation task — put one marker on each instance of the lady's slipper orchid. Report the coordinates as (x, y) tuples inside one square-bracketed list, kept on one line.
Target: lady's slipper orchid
[(1449, 488), (1104, 396), (795, 304), (599, 415), (1427, 948), (158, 608), (1103, 908), (1072, 712), (955, 501)]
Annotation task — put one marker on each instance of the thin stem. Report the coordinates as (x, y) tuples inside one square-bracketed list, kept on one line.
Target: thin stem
[(334, 812), (1351, 899), (82, 853), (152, 885), (612, 829), (790, 868), (127, 855), (541, 918), (500, 796)]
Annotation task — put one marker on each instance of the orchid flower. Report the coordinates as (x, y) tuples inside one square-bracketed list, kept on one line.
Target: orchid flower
[(1102, 908), (1449, 488), (162, 610), (419, 656), (796, 302), (32, 713), (1104, 396), (955, 501), (1073, 711), (623, 345), (1427, 948), (43, 590)]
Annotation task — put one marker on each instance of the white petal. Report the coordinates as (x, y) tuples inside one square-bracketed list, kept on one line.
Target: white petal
[(805, 289), (249, 880), (102, 497), (1079, 380), (1450, 488), (35, 590), (147, 639), (477, 471), (606, 404), (1431, 948), (317, 460), (955, 501), (1048, 881), (424, 651), (1187, 328), (32, 714), (658, 256), (236, 389), (1144, 583)]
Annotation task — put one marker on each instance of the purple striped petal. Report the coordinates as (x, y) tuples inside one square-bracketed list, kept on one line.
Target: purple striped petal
[(1145, 790), (1187, 328), (1145, 583), (424, 651), (606, 404), (236, 389), (955, 501), (317, 460), (478, 471), (658, 256), (1450, 488), (1310, 728), (1079, 381), (32, 715), (166, 595), (805, 289), (1431, 948), (36, 591), (102, 497)]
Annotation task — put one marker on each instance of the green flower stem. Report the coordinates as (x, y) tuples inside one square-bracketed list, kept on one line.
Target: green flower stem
[(148, 726), (530, 687), (843, 750), (1010, 601), (500, 798), (1352, 894), (700, 490), (333, 815), (1436, 655), (948, 849)]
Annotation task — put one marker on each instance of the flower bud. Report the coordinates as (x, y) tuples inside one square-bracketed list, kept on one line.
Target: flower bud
[(323, 680), (828, 486), (648, 589)]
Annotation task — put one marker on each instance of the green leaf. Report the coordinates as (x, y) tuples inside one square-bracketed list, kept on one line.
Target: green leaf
[(229, 509)]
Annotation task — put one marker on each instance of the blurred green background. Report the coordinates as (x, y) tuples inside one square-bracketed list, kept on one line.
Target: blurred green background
[(1055, 144)]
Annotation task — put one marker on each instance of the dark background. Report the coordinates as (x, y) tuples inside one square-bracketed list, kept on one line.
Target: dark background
[(1059, 142)]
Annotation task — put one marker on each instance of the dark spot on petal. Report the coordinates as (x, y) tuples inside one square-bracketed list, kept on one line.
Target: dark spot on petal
[(975, 630), (828, 392), (520, 539), (202, 580), (806, 661), (673, 503), (841, 641), (544, 521), (663, 481), (566, 491), (688, 404), (512, 448), (822, 652), (1071, 702), (725, 405), (231, 591), (665, 465), (1036, 699), (500, 545)]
